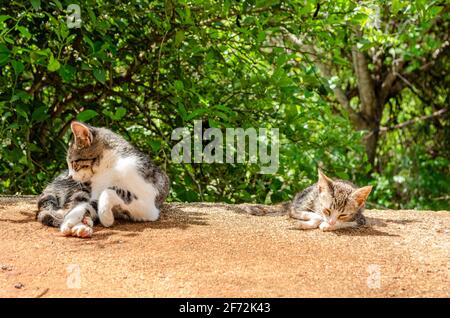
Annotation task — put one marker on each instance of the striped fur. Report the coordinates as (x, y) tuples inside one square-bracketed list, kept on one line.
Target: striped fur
[(330, 204)]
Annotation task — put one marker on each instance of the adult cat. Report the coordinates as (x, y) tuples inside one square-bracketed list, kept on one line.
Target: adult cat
[(107, 178)]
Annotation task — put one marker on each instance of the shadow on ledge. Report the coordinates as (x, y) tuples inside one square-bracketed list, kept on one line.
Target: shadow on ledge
[(172, 216)]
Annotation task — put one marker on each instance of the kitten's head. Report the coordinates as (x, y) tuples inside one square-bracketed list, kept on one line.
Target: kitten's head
[(84, 153), (340, 200)]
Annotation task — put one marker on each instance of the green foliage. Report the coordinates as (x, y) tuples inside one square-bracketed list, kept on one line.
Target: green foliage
[(144, 68)]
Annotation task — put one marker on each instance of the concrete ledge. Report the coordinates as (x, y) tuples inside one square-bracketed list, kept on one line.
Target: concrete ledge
[(210, 250)]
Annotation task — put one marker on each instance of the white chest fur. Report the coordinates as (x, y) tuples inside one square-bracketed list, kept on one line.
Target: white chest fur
[(123, 173)]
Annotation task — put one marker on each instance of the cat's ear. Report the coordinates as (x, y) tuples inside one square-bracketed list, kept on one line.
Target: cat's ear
[(361, 194), (82, 133), (324, 182)]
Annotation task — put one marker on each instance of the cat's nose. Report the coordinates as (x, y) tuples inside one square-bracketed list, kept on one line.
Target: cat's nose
[(332, 222)]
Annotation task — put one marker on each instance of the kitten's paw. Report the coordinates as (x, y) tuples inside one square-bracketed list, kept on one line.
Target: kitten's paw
[(306, 226), (66, 228), (82, 230), (152, 215), (88, 221), (106, 218), (324, 226)]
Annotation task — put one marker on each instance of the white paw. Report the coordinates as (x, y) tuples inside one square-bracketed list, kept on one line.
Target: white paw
[(88, 221), (106, 218), (305, 226), (82, 230), (324, 226), (66, 227), (152, 216)]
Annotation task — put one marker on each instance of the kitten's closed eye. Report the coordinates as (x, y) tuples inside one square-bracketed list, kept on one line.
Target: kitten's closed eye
[(327, 212), (82, 164)]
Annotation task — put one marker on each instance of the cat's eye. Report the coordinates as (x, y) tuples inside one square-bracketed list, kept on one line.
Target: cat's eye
[(343, 216), (77, 166), (327, 211)]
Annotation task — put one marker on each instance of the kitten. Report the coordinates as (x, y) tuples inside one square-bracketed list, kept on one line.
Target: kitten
[(330, 204), (107, 178)]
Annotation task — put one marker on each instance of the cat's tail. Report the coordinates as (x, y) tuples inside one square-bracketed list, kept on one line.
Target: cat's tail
[(49, 212), (260, 209)]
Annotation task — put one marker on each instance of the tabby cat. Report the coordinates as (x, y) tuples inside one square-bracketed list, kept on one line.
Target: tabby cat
[(107, 178), (330, 204)]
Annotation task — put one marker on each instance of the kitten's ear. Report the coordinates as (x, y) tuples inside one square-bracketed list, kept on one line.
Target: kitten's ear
[(82, 133), (324, 182), (361, 194)]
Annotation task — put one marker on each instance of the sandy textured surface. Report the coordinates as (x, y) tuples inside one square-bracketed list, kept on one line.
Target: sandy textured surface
[(205, 250)]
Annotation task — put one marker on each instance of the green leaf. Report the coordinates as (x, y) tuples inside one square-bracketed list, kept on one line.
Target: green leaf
[(342, 175), (45, 52), (87, 115), (261, 37), (24, 31), (58, 4), (36, 4), (4, 54), (18, 67), (226, 7), (100, 75), (53, 64), (20, 95), (21, 110), (178, 85), (182, 111), (64, 31), (89, 41), (265, 3), (4, 18), (91, 15), (39, 114), (70, 38), (34, 148), (155, 144), (196, 113), (120, 113), (67, 72), (179, 37)]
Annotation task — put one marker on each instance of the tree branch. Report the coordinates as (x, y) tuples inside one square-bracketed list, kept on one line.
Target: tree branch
[(365, 84), (438, 113), (389, 81)]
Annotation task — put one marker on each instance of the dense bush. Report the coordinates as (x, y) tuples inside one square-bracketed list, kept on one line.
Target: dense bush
[(144, 68)]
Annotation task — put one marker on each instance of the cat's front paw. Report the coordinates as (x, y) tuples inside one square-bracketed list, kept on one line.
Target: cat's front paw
[(324, 226), (82, 230), (106, 217), (88, 221), (66, 227)]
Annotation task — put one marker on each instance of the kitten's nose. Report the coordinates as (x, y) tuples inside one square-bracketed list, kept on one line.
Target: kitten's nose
[(332, 222)]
